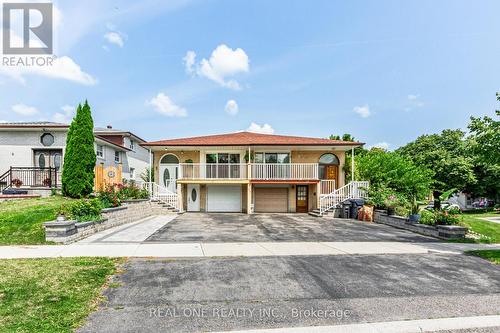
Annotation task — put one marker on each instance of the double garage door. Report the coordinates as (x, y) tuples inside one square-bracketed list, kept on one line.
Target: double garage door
[(271, 200), (224, 198)]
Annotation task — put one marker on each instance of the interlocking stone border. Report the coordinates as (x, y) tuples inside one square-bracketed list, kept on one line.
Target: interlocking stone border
[(440, 231)]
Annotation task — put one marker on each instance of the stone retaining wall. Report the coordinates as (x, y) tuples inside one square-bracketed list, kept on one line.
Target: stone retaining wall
[(440, 231), (71, 231)]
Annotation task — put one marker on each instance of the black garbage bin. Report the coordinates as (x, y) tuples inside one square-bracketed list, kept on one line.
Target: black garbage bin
[(355, 204), (346, 208)]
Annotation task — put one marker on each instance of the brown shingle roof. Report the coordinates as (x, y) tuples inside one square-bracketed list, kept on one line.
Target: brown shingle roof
[(249, 138)]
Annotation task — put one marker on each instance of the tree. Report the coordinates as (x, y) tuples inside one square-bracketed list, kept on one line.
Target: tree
[(391, 170), (357, 151), (447, 154), (79, 158)]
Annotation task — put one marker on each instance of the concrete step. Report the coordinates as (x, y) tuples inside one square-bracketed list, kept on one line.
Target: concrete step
[(316, 212)]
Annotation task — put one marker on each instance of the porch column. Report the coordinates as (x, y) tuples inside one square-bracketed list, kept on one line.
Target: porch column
[(318, 194), (249, 198), (180, 197), (352, 164)]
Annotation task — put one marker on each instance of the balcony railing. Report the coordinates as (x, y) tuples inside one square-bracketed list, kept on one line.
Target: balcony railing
[(256, 171), (212, 171)]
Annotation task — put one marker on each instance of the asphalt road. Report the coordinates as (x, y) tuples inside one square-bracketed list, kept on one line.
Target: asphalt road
[(267, 292)]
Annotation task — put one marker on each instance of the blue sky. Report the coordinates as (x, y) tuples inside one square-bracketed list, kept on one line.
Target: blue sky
[(384, 71)]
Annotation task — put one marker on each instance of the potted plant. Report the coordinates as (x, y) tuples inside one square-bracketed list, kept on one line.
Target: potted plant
[(414, 216), (17, 182), (390, 203)]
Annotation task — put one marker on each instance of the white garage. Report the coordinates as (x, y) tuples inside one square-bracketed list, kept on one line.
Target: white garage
[(223, 198)]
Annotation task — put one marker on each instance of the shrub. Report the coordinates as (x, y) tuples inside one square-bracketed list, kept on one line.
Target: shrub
[(402, 211), (109, 196), (82, 210), (427, 217), (446, 218)]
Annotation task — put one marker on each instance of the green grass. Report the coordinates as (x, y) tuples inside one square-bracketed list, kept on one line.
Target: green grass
[(21, 221), (491, 255), (483, 227), (51, 295)]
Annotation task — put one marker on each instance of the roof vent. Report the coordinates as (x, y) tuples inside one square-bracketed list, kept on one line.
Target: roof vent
[(109, 127)]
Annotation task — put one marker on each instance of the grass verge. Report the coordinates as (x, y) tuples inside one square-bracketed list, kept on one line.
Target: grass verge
[(50, 295), (491, 255), (21, 221), (489, 229)]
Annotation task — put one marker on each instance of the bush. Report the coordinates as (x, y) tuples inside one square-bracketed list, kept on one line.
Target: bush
[(109, 197), (82, 210), (402, 211), (427, 217), (130, 190), (446, 218)]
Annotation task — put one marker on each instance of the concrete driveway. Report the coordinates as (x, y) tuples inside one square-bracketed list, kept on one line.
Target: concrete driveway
[(213, 227), (193, 295)]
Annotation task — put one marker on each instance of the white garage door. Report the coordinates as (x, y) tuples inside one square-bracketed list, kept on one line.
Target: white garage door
[(271, 200), (224, 198)]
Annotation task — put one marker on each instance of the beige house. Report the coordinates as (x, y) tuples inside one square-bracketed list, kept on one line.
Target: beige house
[(250, 172)]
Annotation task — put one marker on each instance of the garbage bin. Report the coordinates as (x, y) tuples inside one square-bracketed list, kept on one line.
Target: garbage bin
[(346, 207), (355, 204)]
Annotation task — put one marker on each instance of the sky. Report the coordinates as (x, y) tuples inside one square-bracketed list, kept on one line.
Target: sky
[(383, 71)]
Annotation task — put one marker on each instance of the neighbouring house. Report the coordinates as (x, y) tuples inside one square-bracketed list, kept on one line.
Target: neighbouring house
[(251, 172), (33, 152)]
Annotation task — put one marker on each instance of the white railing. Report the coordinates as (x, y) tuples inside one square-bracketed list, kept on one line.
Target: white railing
[(213, 171), (160, 193), (287, 171), (326, 186), (353, 190)]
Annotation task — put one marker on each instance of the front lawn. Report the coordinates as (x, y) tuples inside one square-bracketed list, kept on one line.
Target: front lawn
[(21, 220), (50, 295), (483, 227), (491, 255)]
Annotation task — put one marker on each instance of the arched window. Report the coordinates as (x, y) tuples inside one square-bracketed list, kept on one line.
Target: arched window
[(169, 159), (328, 167), (329, 159)]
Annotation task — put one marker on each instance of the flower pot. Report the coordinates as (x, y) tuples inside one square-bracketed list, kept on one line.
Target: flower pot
[(414, 218), (390, 211)]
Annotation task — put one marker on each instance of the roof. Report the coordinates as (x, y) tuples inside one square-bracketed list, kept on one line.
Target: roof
[(112, 131), (250, 138), (34, 124), (98, 137)]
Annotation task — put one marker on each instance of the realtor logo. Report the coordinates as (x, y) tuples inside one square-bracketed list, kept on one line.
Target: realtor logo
[(31, 27)]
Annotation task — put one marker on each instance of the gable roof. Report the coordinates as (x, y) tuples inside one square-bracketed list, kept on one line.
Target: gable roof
[(252, 139), (103, 131)]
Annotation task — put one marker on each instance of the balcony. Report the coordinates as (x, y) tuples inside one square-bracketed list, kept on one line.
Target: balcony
[(244, 171)]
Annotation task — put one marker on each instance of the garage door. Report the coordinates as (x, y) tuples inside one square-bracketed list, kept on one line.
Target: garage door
[(224, 198), (271, 200)]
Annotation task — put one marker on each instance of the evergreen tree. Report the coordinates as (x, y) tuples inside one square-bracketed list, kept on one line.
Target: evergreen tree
[(80, 158)]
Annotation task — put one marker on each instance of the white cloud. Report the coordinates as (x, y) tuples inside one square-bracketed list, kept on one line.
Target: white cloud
[(65, 116), (62, 68), (264, 129), (381, 145), (114, 37), (363, 111), (412, 97), (24, 110), (189, 61), (224, 63), (231, 107), (164, 105), (414, 102)]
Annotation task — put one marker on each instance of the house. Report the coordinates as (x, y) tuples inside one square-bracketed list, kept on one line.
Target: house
[(33, 152), (251, 172)]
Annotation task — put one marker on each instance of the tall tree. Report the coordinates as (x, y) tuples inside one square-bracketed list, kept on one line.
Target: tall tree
[(80, 158)]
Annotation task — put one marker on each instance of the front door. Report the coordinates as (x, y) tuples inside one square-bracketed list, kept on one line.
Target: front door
[(193, 197), (302, 199), (332, 172), (168, 176)]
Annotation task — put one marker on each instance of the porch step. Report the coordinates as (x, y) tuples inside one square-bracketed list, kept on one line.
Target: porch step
[(317, 213)]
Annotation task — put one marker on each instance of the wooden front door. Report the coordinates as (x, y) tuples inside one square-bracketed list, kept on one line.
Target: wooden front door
[(302, 199), (332, 172)]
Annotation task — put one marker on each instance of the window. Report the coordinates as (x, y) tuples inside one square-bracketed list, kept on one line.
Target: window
[(99, 151), (272, 158), (329, 159), (222, 158), (132, 173), (117, 156), (57, 161), (47, 139), (169, 159), (132, 146)]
